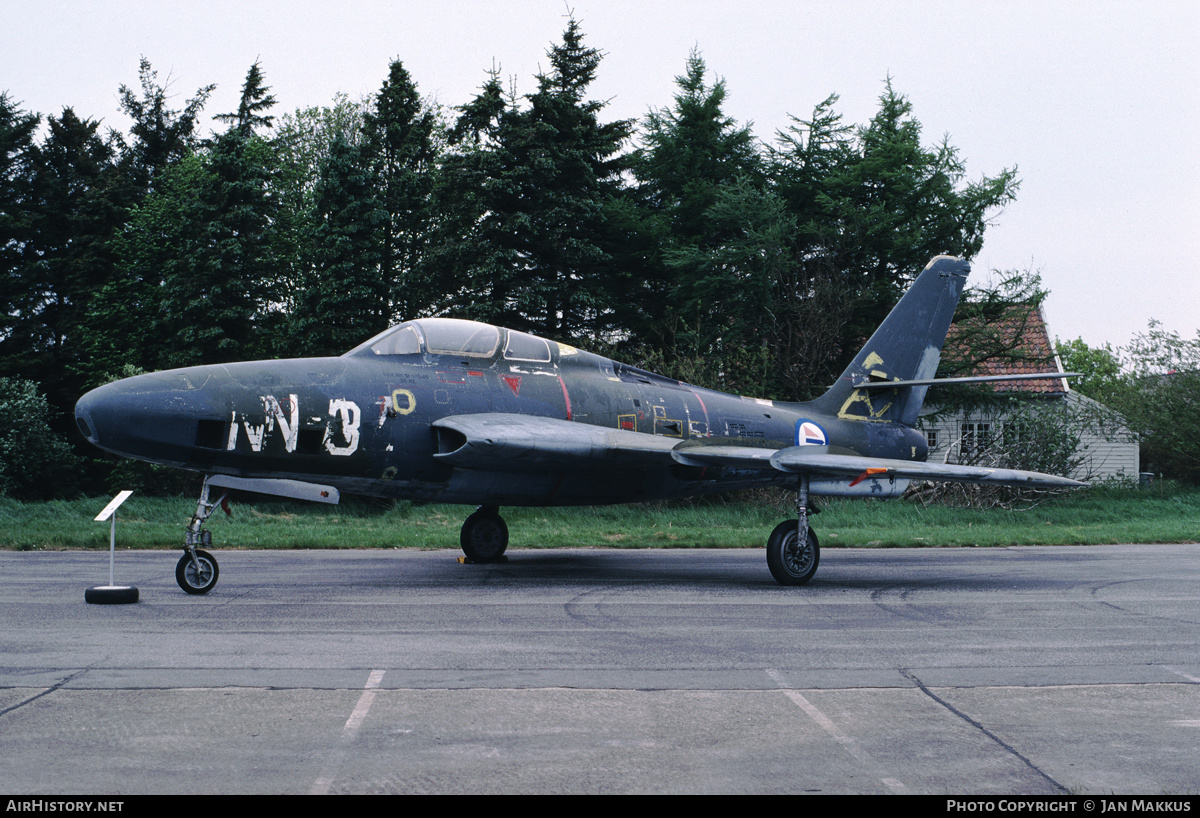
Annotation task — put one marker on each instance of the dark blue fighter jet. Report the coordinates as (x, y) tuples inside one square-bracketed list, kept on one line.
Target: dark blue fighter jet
[(455, 411)]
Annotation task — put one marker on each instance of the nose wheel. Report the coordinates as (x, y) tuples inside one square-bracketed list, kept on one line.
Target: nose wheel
[(197, 571)]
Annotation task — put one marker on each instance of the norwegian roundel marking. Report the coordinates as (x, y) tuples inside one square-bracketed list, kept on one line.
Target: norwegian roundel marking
[(810, 434)]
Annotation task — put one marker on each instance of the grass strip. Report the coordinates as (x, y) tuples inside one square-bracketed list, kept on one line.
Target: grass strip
[(1165, 513)]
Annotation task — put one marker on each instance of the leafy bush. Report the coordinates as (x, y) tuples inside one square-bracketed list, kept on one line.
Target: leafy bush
[(1030, 436), (35, 462), (1162, 401), (1155, 384)]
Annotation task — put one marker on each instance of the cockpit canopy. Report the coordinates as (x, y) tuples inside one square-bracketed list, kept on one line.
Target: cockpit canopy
[(455, 336)]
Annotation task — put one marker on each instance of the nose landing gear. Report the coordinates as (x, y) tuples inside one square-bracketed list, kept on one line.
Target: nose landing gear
[(197, 570)]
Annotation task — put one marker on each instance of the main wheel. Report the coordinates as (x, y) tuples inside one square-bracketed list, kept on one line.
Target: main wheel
[(484, 536), (198, 577), (792, 563)]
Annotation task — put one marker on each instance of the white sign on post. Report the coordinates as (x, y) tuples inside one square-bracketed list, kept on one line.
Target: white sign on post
[(112, 507), (112, 594)]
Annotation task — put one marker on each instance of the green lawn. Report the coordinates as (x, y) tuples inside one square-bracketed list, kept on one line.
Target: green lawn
[(1097, 515)]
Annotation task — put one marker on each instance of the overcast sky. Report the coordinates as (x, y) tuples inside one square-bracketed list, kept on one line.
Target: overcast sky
[(1095, 103)]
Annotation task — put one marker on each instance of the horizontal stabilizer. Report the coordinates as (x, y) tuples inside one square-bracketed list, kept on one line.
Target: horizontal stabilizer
[(295, 489), (1031, 376)]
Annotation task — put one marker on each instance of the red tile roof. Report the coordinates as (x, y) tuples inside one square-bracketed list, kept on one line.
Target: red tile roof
[(1023, 324)]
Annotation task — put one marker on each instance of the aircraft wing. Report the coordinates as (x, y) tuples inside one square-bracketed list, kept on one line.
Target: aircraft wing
[(817, 461), (797, 460), (509, 442)]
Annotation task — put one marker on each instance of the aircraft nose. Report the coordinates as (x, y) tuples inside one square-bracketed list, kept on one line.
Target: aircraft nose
[(85, 409), (103, 413), (150, 417)]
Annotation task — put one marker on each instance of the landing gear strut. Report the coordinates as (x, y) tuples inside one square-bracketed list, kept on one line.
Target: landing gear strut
[(484, 535), (792, 549), (197, 569)]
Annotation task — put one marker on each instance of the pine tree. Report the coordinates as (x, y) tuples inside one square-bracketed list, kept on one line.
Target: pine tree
[(161, 136), (539, 254), (462, 254), (723, 239), (120, 324), (690, 151), (74, 201), (132, 320), (17, 130), (304, 141), (204, 253), (254, 101), (345, 300), (223, 293), (875, 205), (399, 147), (893, 204)]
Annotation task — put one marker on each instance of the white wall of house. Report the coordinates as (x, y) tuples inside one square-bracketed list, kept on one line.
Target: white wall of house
[(1108, 450), (1111, 451)]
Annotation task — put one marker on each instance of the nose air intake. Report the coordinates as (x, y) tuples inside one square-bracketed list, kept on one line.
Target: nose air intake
[(447, 441)]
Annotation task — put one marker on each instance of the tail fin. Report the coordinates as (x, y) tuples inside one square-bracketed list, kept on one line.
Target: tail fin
[(906, 346)]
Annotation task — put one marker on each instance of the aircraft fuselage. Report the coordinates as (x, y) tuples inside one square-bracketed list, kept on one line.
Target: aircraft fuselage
[(366, 423)]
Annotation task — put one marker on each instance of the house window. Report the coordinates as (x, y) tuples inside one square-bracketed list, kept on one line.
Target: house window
[(931, 437), (975, 438)]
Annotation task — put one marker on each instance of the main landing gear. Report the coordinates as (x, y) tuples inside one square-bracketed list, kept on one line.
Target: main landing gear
[(484, 535), (793, 552), (792, 548), (197, 571)]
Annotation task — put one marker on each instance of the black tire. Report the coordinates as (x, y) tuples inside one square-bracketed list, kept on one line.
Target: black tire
[(484, 536), (111, 595), (789, 563), (193, 581)]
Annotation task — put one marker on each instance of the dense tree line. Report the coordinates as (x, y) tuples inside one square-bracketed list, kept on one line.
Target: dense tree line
[(1154, 382), (680, 242)]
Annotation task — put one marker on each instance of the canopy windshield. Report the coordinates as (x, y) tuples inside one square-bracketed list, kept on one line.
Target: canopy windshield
[(439, 336)]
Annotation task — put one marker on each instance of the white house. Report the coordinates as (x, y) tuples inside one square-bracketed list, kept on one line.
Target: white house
[(1106, 450)]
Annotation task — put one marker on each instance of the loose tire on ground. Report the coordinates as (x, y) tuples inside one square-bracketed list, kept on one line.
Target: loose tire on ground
[(111, 595), (197, 581), (791, 564)]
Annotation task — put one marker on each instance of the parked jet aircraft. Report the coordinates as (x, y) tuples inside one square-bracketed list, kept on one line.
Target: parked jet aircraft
[(455, 411)]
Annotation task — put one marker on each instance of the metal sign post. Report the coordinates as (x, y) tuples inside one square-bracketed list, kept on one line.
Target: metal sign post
[(112, 594)]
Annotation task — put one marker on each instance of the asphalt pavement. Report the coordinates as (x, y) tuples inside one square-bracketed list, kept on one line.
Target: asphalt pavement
[(1057, 671)]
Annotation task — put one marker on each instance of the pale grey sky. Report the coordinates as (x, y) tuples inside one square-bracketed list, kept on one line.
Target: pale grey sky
[(1095, 103)]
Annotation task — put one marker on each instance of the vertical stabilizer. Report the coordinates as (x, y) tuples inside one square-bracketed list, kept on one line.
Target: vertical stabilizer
[(906, 346)]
